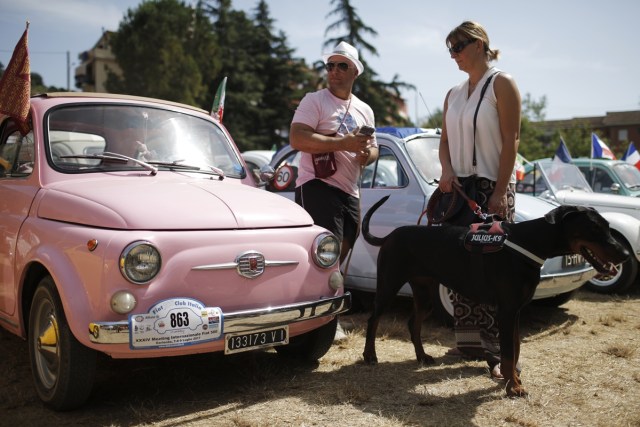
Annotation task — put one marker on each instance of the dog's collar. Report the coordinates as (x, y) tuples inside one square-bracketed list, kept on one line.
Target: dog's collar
[(524, 252)]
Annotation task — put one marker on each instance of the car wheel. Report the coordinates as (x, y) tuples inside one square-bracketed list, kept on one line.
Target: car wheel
[(63, 369), (622, 281), (555, 301), (312, 345), (442, 303)]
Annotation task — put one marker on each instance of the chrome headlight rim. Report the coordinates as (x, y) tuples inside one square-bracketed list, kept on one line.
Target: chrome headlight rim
[(129, 252), (326, 250)]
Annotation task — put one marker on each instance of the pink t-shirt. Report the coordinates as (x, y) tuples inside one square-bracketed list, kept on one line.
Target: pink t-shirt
[(324, 112)]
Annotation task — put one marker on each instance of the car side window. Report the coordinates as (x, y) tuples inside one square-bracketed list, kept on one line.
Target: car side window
[(16, 154), (386, 172), (602, 181)]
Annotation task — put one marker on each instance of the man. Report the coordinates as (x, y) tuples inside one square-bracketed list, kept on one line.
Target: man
[(325, 129)]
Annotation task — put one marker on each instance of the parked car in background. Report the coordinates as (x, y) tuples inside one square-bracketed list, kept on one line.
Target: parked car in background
[(255, 159), (406, 169), (564, 183), (610, 176), (130, 226)]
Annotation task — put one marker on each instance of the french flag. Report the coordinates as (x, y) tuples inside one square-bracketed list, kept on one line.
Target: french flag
[(599, 149), (562, 153), (632, 156)]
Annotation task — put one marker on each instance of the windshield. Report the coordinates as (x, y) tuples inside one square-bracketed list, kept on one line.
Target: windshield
[(423, 152), (564, 175), (164, 138), (629, 175)]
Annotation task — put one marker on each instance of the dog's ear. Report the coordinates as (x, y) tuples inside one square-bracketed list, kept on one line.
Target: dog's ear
[(558, 214)]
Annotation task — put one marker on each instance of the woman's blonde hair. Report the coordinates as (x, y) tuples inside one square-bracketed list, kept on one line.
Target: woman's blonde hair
[(470, 30)]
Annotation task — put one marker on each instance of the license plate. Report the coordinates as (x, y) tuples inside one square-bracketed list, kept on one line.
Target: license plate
[(235, 343), (571, 261)]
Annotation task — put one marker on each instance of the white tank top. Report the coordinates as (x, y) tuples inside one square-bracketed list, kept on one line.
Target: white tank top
[(460, 111)]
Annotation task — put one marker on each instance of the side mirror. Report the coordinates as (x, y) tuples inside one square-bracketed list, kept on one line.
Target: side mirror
[(267, 173), (615, 188)]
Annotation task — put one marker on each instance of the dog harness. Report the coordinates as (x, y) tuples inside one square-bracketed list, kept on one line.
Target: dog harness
[(484, 238)]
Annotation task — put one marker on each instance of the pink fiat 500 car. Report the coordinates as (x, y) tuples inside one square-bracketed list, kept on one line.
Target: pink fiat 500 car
[(131, 226)]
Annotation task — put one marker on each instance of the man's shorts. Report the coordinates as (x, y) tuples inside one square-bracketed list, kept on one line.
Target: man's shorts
[(331, 208)]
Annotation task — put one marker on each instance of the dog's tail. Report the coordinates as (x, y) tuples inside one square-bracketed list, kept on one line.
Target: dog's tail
[(371, 239)]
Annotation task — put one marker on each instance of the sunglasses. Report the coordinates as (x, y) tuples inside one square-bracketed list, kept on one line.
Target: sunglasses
[(459, 47), (342, 66)]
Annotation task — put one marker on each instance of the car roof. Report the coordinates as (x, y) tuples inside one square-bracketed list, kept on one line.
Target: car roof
[(113, 96), (582, 160), (405, 132)]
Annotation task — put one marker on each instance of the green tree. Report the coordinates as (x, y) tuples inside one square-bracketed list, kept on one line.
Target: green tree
[(164, 48), (533, 144), (264, 79), (235, 34), (281, 75), (383, 97)]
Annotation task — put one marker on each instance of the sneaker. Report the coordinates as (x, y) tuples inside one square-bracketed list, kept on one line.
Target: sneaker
[(340, 335)]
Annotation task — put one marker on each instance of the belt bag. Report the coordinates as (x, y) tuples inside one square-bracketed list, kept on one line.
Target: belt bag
[(324, 164)]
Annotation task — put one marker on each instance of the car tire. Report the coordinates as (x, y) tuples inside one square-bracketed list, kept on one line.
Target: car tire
[(63, 369), (442, 304), (312, 345), (621, 282), (555, 301)]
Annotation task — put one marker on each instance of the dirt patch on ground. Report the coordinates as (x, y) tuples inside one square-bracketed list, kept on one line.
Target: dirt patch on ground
[(581, 366)]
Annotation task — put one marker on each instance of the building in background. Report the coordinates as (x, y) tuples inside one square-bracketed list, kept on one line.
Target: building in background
[(95, 65), (616, 128)]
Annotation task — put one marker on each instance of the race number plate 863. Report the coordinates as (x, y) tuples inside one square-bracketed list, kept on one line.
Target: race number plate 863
[(235, 343)]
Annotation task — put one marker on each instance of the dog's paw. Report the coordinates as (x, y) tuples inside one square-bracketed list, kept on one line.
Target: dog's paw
[(370, 359), (425, 359), (516, 390)]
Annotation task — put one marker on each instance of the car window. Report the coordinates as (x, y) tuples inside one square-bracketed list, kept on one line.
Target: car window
[(601, 181), (424, 153), (628, 174), (385, 172), (16, 154)]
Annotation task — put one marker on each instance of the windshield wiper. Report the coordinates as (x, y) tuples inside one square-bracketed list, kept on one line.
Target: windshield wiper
[(107, 155), (177, 165)]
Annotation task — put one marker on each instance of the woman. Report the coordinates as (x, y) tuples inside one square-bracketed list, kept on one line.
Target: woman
[(486, 153)]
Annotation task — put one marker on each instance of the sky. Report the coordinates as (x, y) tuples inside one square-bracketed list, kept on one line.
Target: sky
[(583, 56)]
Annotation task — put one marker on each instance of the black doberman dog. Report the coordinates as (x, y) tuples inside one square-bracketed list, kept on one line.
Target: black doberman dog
[(425, 256)]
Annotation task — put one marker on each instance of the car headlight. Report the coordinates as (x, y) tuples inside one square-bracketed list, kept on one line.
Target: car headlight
[(326, 250), (140, 262)]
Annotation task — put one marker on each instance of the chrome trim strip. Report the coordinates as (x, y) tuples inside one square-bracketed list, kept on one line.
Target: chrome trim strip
[(239, 321), (9, 322), (234, 265)]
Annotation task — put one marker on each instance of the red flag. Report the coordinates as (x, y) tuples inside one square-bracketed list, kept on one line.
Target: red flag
[(15, 85)]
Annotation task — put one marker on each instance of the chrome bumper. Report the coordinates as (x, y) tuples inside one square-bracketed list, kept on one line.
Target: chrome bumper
[(239, 321), (552, 285)]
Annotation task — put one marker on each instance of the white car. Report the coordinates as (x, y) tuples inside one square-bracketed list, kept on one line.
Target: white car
[(565, 184), (406, 169)]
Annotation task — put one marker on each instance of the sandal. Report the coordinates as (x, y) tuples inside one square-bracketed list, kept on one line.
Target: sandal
[(497, 375)]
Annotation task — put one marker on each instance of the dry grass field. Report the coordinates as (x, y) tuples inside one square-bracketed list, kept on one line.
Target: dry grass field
[(581, 366)]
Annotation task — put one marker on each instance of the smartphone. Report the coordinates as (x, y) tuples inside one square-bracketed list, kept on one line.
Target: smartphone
[(366, 130)]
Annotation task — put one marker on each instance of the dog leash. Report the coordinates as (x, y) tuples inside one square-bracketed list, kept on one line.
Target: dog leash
[(473, 205), (523, 251)]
